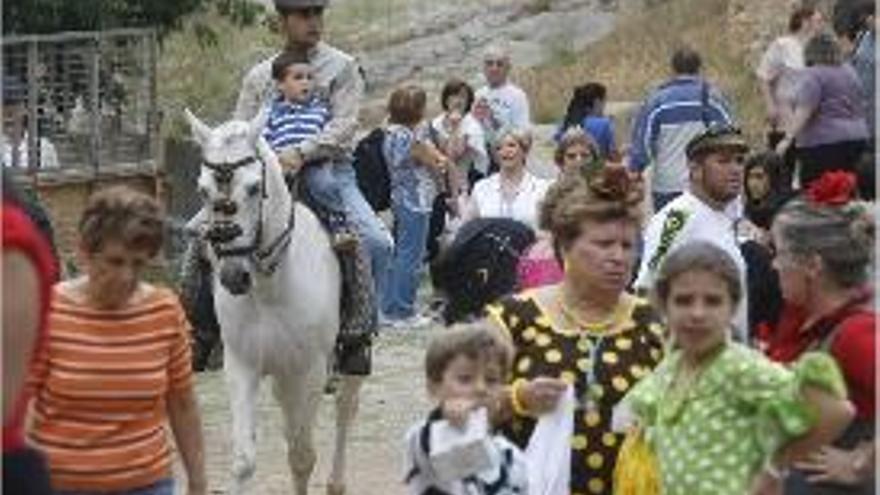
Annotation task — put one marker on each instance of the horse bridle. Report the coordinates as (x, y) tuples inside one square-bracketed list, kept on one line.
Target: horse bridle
[(265, 260)]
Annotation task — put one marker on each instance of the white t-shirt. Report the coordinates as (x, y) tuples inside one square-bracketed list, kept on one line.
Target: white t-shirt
[(781, 66), (686, 219), (510, 108), (477, 155), (488, 201)]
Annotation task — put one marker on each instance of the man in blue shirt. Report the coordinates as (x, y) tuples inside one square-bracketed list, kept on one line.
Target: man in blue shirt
[(671, 116)]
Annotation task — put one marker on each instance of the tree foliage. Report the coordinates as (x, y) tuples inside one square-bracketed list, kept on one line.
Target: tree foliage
[(51, 16)]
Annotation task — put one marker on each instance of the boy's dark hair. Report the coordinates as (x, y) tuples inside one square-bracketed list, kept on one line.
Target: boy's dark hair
[(477, 341), (455, 87), (283, 62), (686, 61)]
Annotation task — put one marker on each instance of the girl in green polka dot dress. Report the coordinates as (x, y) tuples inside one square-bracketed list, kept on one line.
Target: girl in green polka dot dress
[(721, 418), (586, 331)]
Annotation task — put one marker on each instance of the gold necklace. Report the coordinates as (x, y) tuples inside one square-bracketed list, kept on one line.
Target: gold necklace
[(620, 311)]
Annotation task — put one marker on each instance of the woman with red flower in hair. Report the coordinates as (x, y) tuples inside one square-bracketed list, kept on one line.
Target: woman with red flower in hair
[(823, 253)]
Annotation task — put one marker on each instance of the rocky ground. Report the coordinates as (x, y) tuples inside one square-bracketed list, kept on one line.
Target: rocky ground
[(392, 399)]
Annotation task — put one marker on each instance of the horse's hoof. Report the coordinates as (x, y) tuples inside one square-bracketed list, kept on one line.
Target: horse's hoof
[(335, 489)]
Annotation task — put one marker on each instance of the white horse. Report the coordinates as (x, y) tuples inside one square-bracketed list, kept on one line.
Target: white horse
[(276, 292)]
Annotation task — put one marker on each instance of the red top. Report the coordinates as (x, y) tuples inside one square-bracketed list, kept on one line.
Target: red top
[(848, 334), (19, 233)]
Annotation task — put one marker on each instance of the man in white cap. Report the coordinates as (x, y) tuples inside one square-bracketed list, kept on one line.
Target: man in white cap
[(500, 104)]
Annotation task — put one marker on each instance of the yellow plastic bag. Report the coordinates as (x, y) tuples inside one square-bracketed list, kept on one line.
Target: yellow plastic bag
[(637, 471)]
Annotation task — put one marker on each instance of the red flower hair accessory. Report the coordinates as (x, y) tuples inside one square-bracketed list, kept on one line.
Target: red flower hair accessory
[(834, 188)]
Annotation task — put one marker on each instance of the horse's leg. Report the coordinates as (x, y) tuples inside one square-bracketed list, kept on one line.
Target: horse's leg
[(347, 398), (300, 395), (243, 384)]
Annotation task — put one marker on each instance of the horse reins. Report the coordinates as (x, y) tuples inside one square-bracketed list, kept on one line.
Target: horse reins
[(266, 260)]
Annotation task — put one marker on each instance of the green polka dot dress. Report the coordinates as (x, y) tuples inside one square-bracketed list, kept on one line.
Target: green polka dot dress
[(624, 356), (713, 435)]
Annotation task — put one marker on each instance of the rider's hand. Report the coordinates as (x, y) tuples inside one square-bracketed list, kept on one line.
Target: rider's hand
[(540, 396)]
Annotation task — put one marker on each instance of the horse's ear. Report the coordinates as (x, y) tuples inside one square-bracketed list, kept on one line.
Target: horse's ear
[(200, 131)]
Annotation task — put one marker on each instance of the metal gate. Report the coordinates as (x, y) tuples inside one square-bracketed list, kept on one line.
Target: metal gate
[(80, 100)]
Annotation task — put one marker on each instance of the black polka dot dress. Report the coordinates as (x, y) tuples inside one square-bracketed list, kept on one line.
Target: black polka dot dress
[(603, 364)]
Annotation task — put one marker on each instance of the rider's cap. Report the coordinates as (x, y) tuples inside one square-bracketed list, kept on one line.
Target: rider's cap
[(299, 4), (716, 137)]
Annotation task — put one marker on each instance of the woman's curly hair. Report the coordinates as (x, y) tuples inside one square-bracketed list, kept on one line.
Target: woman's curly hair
[(122, 214), (611, 193)]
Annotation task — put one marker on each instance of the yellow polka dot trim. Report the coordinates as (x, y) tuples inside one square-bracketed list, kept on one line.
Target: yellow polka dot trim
[(524, 364), (620, 383), (595, 461), (568, 377), (579, 442), (637, 371), (623, 343), (553, 356), (543, 340), (609, 439), (596, 485), (610, 358), (583, 345), (592, 418), (583, 364), (529, 333)]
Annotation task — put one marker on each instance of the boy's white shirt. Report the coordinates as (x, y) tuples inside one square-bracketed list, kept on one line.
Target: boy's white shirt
[(475, 442)]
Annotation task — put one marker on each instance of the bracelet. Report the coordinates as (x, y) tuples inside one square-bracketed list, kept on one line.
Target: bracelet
[(515, 400)]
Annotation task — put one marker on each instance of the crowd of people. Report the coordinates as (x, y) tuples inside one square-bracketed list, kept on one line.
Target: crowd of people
[(711, 330)]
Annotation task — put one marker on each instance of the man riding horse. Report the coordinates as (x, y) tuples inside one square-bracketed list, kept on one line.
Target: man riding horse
[(337, 79)]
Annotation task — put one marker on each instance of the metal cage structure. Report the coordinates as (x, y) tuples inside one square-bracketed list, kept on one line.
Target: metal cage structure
[(80, 101)]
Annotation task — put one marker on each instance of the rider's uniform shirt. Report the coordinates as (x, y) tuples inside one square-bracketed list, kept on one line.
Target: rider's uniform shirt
[(684, 220), (337, 80)]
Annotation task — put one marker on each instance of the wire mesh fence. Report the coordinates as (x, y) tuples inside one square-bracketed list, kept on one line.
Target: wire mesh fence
[(80, 100)]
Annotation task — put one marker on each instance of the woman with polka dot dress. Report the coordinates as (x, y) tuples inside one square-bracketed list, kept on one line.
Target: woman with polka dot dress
[(586, 331), (721, 418)]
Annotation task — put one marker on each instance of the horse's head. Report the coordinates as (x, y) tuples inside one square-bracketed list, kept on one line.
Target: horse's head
[(239, 175)]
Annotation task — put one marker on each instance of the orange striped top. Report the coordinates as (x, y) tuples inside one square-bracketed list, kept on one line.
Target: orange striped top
[(99, 408)]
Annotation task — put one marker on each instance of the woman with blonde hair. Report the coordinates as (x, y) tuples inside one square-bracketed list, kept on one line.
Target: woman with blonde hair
[(512, 192)]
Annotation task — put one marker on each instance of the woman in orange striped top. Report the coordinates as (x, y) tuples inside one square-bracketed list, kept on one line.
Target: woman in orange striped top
[(116, 366)]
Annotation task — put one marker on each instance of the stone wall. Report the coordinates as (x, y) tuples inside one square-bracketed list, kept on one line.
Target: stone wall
[(64, 194)]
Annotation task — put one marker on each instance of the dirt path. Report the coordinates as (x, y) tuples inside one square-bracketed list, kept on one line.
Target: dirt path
[(391, 400)]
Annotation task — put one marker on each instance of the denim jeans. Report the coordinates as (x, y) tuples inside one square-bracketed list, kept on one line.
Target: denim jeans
[(411, 229), (323, 185), (376, 237), (162, 487)]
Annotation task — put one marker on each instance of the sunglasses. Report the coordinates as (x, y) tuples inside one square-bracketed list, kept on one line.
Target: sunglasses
[(496, 63)]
